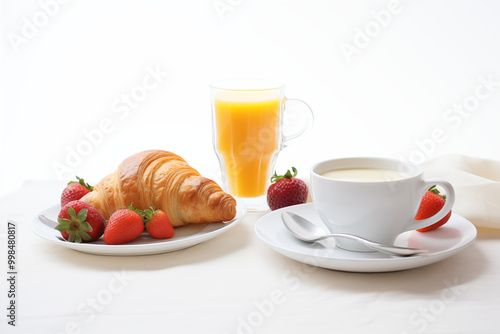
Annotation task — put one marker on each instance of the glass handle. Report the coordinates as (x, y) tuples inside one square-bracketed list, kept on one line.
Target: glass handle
[(307, 112)]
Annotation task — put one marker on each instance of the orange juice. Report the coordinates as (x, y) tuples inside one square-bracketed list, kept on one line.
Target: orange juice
[(247, 138)]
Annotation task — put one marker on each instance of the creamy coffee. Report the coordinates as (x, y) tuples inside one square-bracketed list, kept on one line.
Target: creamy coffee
[(378, 211), (364, 174)]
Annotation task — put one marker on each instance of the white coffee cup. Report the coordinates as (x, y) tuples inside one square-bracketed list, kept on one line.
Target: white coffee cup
[(379, 208)]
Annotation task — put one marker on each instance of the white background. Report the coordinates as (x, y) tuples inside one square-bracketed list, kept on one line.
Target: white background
[(80, 58), (66, 65)]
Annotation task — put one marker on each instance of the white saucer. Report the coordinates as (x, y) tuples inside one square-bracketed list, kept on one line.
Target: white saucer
[(442, 243), (185, 236)]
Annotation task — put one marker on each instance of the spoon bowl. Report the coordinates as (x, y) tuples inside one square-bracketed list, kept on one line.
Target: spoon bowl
[(305, 230)]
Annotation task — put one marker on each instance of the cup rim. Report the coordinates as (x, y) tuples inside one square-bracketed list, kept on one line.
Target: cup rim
[(247, 85), (413, 171)]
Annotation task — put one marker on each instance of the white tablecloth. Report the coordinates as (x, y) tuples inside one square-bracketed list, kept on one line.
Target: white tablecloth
[(235, 283)]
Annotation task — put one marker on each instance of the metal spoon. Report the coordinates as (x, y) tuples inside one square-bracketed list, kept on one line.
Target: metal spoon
[(50, 223), (47, 221), (304, 230)]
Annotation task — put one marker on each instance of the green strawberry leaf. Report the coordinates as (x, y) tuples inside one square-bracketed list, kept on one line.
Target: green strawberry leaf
[(62, 227), (287, 175), (77, 226), (85, 226), (435, 190), (83, 235), (71, 237), (145, 214), (82, 215), (77, 238), (82, 182), (71, 213), (148, 214)]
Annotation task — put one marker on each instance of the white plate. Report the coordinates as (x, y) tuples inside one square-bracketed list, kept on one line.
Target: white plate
[(185, 236), (443, 242)]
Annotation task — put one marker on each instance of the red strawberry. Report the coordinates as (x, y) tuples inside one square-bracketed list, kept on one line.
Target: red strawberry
[(74, 191), (431, 203), (80, 221), (286, 190), (123, 226), (157, 224)]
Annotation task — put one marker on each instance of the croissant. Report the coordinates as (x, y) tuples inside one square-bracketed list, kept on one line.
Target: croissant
[(165, 181)]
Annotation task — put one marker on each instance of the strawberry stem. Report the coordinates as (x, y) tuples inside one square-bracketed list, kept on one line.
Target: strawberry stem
[(76, 226), (82, 182), (287, 175), (145, 214), (435, 190), (148, 213)]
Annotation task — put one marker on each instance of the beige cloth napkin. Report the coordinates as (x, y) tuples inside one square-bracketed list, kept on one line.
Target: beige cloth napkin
[(477, 186)]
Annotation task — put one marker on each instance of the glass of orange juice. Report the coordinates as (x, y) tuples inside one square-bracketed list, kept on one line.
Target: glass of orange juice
[(247, 123)]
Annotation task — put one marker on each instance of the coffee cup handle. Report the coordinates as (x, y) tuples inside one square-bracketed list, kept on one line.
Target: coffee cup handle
[(306, 125), (450, 200)]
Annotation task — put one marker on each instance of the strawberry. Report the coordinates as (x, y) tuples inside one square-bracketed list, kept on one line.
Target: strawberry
[(80, 221), (431, 203), (157, 224), (286, 190), (74, 191), (123, 226)]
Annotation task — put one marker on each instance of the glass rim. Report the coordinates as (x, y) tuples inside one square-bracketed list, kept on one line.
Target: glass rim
[(247, 85)]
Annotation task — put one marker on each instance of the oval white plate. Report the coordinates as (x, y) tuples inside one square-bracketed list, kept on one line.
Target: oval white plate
[(185, 236), (443, 242)]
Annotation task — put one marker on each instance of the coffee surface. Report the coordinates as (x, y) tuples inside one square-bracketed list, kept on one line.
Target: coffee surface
[(364, 174)]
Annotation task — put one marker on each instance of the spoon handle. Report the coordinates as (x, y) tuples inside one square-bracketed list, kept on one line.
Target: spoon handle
[(47, 221), (305, 230), (387, 249)]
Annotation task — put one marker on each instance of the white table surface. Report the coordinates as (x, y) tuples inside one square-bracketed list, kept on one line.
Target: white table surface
[(406, 93), (235, 283)]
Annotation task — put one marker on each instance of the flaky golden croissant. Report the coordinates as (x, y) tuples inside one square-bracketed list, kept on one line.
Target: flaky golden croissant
[(165, 181)]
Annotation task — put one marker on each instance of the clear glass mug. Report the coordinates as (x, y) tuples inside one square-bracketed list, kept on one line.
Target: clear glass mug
[(247, 131)]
